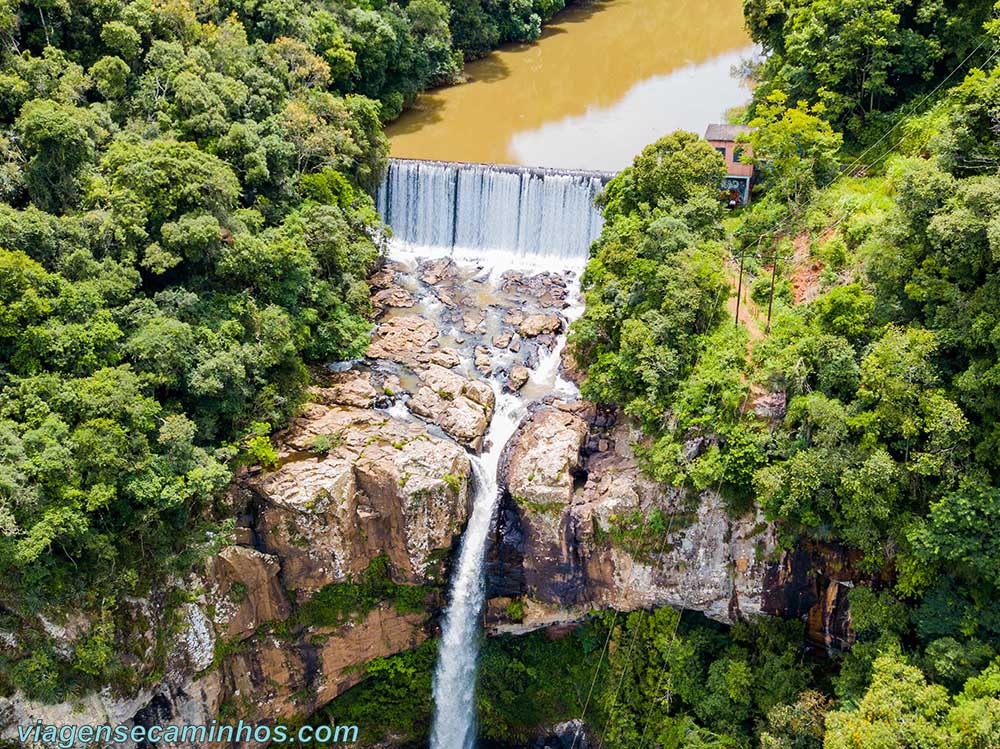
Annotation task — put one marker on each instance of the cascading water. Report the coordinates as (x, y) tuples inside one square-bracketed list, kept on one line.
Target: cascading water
[(455, 676), (521, 211), (504, 218)]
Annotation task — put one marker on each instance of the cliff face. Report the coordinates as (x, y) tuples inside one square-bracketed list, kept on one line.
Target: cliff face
[(365, 486), (582, 528), (384, 490)]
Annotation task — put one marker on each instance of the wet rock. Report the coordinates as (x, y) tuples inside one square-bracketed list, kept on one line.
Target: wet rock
[(537, 324), (541, 289), (483, 361), (461, 407), (811, 582), (351, 388), (515, 344), (518, 376), (502, 340), (473, 319), (384, 278), (399, 338), (381, 488), (435, 271), (394, 296), (446, 358)]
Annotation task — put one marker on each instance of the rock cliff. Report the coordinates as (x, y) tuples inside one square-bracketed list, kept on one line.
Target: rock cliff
[(582, 528), (355, 490), (371, 488)]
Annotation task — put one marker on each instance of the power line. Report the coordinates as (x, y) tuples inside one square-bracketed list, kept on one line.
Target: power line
[(743, 255)]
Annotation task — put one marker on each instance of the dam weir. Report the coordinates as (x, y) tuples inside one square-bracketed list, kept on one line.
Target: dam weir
[(497, 219), (463, 208)]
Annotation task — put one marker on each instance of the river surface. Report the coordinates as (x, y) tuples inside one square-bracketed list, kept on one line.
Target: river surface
[(606, 78)]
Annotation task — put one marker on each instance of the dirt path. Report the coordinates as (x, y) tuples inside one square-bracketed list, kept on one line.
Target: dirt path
[(749, 314)]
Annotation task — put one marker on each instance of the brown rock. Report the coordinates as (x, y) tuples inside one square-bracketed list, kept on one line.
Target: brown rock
[(399, 338), (380, 490), (282, 680), (473, 319), (385, 278), (394, 296), (461, 407), (518, 376), (502, 340), (436, 271), (543, 454), (535, 325), (351, 388), (446, 358), (246, 591), (483, 361), (568, 367)]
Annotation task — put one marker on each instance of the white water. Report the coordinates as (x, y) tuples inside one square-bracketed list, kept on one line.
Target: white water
[(458, 651), (527, 212), (499, 218)]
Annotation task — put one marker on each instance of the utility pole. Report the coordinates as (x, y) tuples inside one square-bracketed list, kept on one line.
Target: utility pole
[(770, 299), (739, 289)]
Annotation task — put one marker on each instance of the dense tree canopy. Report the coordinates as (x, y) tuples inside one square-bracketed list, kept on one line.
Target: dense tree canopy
[(185, 223), (867, 416)]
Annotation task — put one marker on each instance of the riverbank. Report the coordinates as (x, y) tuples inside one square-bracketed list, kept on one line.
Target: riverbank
[(603, 80)]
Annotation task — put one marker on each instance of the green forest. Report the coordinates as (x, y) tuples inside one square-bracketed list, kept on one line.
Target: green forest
[(186, 226)]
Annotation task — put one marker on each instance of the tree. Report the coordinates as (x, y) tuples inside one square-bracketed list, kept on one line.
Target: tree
[(673, 169), (899, 710), (794, 147), (59, 141)]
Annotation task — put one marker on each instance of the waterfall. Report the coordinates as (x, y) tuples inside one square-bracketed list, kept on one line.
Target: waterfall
[(458, 652), (504, 218), (527, 212)]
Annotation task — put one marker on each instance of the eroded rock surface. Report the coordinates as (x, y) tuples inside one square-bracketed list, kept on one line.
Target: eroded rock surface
[(583, 529), (384, 487), (462, 407), (401, 338), (535, 325)]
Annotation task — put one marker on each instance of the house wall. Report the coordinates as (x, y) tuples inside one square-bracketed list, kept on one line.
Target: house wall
[(734, 166)]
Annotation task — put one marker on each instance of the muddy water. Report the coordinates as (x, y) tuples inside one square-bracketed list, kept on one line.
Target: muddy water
[(607, 78)]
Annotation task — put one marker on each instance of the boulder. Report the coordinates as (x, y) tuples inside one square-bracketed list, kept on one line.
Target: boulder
[(543, 454), (446, 358), (400, 338), (535, 325), (433, 272), (483, 360), (351, 388), (461, 407), (394, 296), (519, 375), (473, 319)]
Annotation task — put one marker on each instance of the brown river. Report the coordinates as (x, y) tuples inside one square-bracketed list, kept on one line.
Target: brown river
[(606, 78)]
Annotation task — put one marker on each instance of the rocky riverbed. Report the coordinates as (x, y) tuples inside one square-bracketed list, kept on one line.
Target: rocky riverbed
[(373, 477)]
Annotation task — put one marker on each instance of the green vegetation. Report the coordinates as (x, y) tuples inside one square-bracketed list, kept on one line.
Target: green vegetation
[(529, 681), (882, 352), (338, 603)]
